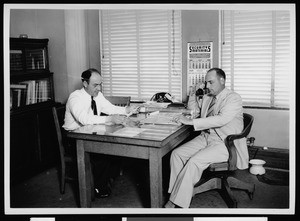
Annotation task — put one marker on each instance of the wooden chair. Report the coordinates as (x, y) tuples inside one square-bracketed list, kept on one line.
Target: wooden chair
[(66, 158), (221, 175), (119, 100)]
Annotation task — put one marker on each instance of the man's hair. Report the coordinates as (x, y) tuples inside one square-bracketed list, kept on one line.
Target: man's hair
[(219, 72), (85, 76)]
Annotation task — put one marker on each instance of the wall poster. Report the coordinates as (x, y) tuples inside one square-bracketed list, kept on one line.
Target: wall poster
[(199, 61)]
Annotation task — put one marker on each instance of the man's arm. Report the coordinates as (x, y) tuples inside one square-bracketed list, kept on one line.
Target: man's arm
[(230, 108), (109, 108)]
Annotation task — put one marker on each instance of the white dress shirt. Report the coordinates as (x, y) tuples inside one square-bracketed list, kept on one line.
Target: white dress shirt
[(79, 111)]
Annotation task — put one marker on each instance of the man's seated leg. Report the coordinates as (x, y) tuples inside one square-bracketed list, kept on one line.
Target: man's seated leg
[(103, 169)]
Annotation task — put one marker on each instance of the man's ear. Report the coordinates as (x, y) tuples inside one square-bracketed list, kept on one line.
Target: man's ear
[(222, 80), (85, 84)]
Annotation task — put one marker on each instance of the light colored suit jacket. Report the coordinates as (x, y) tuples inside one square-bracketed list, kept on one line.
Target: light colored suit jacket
[(227, 120)]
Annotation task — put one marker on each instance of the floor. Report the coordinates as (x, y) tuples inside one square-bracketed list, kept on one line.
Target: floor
[(130, 191)]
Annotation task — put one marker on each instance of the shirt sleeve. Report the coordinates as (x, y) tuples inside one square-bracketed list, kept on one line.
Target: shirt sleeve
[(108, 108)]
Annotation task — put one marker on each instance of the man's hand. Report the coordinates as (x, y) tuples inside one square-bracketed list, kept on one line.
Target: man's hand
[(115, 119), (121, 119), (131, 123), (132, 110), (182, 119)]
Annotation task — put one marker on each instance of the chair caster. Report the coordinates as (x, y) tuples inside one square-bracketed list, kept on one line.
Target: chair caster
[(251, 193)]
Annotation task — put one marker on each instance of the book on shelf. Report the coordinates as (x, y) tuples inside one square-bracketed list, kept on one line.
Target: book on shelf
[(16, 60), (29, 92), (17, 95), (35, 59)]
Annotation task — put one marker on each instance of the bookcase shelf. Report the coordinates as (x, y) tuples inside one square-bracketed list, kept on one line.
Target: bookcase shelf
[(32, 129), (28, 55), (31, 81), (31, 89)]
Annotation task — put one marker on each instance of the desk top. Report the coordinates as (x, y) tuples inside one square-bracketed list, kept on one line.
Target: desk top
[(149, 132), (155, 135), (145, 135)]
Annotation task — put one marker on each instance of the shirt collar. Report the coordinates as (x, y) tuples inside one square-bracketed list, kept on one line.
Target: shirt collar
[(85, 93)]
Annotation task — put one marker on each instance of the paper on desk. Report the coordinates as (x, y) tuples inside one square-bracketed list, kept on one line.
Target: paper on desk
[(92, 129), (161, 118), (156, 104), (128, 131), (154, 113)]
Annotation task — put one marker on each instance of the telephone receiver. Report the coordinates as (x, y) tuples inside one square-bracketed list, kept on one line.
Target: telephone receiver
[(201, 91)]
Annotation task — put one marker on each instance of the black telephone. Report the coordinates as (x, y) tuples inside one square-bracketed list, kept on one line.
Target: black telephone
[(161, 97), (164, 97)]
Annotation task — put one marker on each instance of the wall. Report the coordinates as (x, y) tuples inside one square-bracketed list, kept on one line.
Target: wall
[(50, 24), (45, 24), (270, 128), (198, 25)]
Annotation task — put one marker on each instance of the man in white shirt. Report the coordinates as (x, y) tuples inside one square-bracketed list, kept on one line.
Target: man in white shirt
[(78, 108), (84, 107)]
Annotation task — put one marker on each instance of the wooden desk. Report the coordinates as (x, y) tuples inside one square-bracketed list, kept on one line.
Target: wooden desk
[(149, 142)]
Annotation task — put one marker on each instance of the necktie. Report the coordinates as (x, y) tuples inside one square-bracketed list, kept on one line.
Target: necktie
[(94, 107), (211, 107)]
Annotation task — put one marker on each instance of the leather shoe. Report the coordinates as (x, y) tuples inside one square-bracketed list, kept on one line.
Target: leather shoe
[(102, 192)]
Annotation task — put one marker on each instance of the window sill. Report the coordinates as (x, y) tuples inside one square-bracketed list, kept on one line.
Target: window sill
[(266, 108)]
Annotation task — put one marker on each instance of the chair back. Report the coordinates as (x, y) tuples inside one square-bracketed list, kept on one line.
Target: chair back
[(248, 121), (119, 100), (58, 116), (229, 143)]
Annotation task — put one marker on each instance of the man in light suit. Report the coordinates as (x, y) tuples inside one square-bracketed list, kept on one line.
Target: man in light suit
[(221, 115)]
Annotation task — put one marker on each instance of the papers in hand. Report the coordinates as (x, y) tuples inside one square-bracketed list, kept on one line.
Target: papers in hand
[(133, 111)]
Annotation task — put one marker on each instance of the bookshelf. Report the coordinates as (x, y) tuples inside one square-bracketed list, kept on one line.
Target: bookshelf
[(31, 81), (33, 91), (32, 130)]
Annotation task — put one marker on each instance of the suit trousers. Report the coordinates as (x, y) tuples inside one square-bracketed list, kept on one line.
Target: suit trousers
[(188, 162), (104, 168)]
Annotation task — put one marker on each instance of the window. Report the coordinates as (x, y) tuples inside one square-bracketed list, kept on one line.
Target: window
[(141, 52), (255, 55)]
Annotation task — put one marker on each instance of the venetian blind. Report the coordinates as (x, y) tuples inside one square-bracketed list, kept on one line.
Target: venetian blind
[(141, 52), (256, 56)]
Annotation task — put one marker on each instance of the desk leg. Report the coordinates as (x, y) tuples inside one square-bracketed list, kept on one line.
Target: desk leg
[(84, 175), (155, 171)]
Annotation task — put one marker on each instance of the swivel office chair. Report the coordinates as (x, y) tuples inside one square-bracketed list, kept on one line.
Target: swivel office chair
[(220, 175), (66, 159)]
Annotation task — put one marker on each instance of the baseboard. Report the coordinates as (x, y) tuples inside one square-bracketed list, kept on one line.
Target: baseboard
[(274, 157)]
